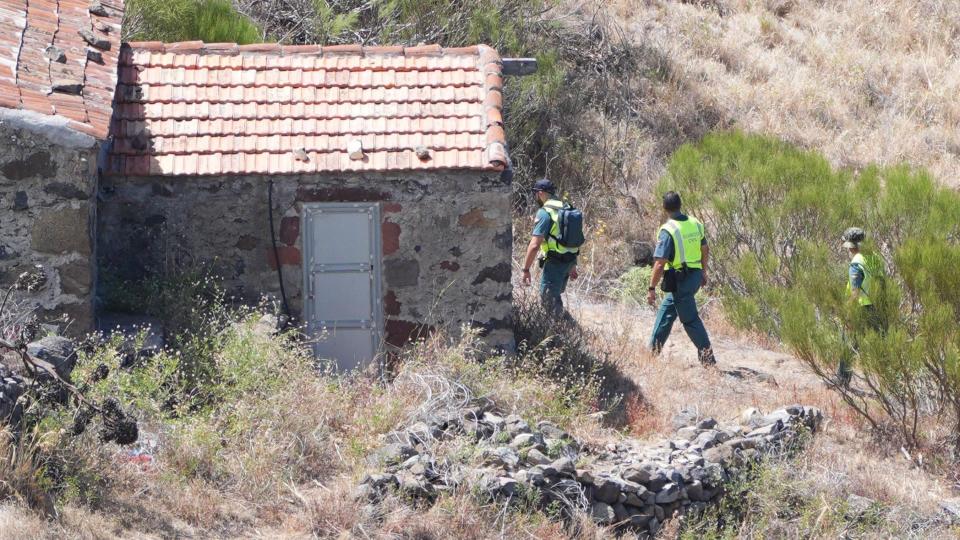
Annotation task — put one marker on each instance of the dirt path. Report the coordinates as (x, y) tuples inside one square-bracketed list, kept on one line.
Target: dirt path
[(746, 375)]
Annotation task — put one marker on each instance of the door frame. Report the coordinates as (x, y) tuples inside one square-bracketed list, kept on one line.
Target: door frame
[(307, 238)]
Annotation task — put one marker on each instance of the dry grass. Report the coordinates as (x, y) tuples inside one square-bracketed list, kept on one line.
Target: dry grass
[(844, 459), (861, 81)]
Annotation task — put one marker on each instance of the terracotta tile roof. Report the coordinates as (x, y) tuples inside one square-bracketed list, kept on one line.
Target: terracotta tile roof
[(208, 109), (59, 57)]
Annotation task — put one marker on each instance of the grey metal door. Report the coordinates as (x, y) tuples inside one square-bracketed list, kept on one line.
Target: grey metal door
[(341, 243)]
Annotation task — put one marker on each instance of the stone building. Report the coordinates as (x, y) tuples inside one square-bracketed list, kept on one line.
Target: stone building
[(361, 188), (57, 78), (371, 178)]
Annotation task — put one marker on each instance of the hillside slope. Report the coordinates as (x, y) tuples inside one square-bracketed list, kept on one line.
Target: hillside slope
[(859, 80)]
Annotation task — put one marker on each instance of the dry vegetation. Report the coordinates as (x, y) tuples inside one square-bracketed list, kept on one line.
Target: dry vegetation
[(844, 460), (861, 81)]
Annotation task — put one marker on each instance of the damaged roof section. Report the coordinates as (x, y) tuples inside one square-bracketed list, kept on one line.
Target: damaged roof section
[(59, 58), (211, 109)]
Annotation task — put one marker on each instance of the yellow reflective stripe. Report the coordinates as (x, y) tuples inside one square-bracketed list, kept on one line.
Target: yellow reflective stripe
[(679, 254)]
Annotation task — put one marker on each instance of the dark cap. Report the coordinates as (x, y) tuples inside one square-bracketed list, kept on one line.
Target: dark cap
[(852, 237), (545, 185)]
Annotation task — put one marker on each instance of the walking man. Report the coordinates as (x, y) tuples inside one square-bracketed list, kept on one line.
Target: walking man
[(680, 259), (558, 263), (863, 273)]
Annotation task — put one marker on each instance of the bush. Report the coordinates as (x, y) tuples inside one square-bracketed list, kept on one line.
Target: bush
[(775, 214), (212, 21), (632, 286), (780, 498)]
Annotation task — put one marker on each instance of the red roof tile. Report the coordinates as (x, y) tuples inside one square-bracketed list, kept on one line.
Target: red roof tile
[(188, 109), (52, 49)]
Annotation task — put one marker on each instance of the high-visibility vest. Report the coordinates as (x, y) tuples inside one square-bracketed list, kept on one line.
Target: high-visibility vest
[(550, 243), (869, 267), (687, 237)]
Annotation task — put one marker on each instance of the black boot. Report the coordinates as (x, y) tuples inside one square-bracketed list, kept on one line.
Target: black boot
[(706, 357)]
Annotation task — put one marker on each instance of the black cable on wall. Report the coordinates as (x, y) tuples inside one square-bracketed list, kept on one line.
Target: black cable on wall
[(276, 252)]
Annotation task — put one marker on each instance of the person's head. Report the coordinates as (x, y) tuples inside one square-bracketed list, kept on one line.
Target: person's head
[(544, 190), (852, 237), (671, 202)]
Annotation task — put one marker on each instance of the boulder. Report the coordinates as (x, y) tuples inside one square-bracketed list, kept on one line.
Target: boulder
[(718, 454), (494, 420), (857, 506), (640, 474), (526, 439), (708, 439), (951, 509), (502, 457), (415, 487), (536, 457), (391, 454), (58, 351), (603, 513), (707, 423), (422, 433), (620, 512), (668, 494), (551, 431), (685, 417), (516, 425), (695, 491), (564, 466), (606, 490)]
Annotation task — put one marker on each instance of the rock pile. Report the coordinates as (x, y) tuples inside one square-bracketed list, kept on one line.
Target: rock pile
[(57, 351), (629, 484)]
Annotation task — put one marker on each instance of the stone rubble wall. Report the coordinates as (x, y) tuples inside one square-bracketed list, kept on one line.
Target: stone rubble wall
[(446, 239), (630, 485), (48, 180)]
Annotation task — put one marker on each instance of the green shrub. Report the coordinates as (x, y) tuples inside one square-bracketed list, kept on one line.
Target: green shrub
[(212, 21), (631, 287), (778, 499), (775, 215)]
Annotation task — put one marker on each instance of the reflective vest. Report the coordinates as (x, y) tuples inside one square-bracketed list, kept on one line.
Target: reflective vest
[(550, 243), (869, 269), (687, 236)]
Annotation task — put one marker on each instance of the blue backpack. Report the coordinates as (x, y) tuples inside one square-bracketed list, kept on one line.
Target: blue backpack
[(570, 223)]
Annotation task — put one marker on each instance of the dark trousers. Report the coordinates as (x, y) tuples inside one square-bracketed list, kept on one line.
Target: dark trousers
[(553, 282), (682, 305), (867, 319)]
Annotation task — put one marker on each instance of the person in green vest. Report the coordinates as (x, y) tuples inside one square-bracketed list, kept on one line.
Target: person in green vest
[(558, 263), (863, 273), (680, 258)]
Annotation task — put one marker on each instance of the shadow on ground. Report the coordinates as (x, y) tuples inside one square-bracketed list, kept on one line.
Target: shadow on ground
[(562, 350)]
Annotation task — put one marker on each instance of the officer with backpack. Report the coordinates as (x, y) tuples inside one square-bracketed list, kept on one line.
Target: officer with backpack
[(557, 238), (680, 260)]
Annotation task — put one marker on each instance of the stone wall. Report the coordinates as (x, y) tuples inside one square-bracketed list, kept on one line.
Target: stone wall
[(630, 485), (446, 239), (48, 178)]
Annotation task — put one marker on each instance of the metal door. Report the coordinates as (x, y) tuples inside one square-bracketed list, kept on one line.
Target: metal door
[(341, 243)]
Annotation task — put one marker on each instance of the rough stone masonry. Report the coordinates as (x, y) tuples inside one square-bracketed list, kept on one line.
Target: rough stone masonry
[(48, 179), (446, 239), (630, 485)]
